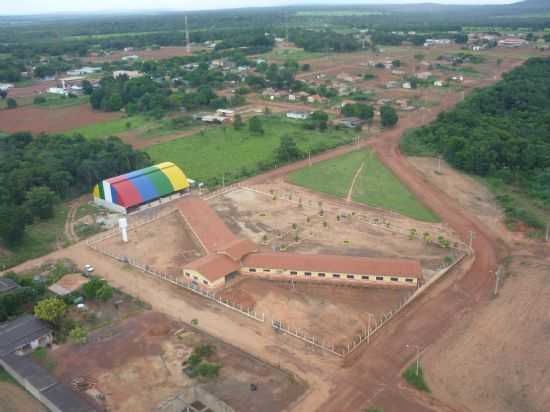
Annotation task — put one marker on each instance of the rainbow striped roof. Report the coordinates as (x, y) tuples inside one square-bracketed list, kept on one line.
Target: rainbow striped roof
[(141, 186)]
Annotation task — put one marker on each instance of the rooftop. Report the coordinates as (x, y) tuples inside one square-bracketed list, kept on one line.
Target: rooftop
[(7, 285), (335, 264), (214, 267), (19, 332), (68, 284)]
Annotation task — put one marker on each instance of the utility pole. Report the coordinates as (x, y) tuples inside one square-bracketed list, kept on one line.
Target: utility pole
[(497, 280), (547, 237), (187, 42), (472, 237), (223, 179), (309, 158), (417, 360)]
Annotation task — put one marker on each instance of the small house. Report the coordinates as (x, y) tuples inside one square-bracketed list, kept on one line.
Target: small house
[(439, 83), (407, 85), (350, 122), (7, 285), (297, 115)]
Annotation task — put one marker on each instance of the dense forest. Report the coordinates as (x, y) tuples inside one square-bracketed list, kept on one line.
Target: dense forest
[(36, 171), (502, 131)]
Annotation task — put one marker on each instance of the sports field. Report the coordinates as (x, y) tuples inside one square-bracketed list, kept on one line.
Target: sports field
[(375, 185), (233, 154)]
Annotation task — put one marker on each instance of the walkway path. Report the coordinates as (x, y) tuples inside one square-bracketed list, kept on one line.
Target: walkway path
[(351, 186)]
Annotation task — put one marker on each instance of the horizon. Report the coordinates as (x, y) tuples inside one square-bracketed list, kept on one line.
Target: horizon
[(64, 7)]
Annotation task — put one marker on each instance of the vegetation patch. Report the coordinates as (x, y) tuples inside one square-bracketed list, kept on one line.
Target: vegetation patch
[(416, 379), (228, 154), (375, 184)]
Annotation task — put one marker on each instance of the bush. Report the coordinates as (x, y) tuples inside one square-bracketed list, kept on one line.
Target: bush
[(414, 379), (78, 335), (206, 370), (39, 100), (11, 103)]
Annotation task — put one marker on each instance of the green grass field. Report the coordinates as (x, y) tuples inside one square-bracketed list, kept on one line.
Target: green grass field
[(375, 186), (218, 151), (40, 238), (62, 101), (295, 54), (111, 127)]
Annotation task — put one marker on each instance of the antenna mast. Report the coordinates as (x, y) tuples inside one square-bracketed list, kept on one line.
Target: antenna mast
[(188, 43)]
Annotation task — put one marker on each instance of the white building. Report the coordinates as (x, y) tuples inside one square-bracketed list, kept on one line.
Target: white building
[(58, 91), (84, 71), (407, 85), (297, 115)]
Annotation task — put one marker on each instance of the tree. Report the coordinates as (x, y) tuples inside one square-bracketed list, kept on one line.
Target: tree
[(104, 293), (238, 123), (287, 150), (87, 87), (91, 288), (388, 116), (51, 310), (78, 335), (255, 125), (11, 103), (396, 63), (39, 100), (13, 220), (3, 94), (40, 202)]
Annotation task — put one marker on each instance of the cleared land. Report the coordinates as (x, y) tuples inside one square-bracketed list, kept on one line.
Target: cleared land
[(165, 244), (375, 185), (55, 120), (343, 229), (137, 364), (332, 313), (209, 155), (13, 398)]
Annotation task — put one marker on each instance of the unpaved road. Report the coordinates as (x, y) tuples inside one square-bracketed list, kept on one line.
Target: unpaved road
[(371, 377)]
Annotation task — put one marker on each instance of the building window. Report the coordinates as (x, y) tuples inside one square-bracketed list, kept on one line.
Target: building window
[(350, 277), (379, 277), (321, 275), (267, 270), (205, 282), (394, 279), (252, 270), (196, 278), (409, 280), (307, 273), (335, 275), (364, 277), (293, 273)]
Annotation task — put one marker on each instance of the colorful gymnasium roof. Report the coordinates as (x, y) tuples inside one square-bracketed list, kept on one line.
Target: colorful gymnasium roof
[(141, 186)]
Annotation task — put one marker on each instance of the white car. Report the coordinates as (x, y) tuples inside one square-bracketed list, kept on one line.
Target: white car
[(88, 268)]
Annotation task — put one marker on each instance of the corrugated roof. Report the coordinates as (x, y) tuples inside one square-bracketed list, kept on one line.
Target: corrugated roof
[(335, 264), (7, 284), (20, 331)]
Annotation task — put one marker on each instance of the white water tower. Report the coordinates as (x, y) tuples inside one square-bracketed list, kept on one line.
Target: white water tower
[(123, 226)]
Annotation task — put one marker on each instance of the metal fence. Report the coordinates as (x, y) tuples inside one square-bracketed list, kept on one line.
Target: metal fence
[(279, 326), (183, 283)]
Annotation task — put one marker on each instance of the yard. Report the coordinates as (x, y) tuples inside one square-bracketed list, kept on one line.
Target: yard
[(208, 155), (40, 238), (374, 184)]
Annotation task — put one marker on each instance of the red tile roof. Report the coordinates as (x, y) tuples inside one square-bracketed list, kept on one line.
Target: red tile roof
[(335, 264), (239, 249), (214, 267), (211, 230)]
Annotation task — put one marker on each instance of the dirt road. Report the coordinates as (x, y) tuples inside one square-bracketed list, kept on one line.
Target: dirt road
[(371, 377)]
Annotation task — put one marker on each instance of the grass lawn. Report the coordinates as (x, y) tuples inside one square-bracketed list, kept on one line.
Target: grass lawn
[(111, 127), (296, 54), (375, 186), (207, 156), (62, 101), (333, 176), (40, 238)]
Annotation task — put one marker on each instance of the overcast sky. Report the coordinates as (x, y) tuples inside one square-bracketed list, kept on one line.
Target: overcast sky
[(55, 6)]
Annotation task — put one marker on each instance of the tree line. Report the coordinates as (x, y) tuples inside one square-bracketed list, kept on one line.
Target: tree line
[(502, 131), (36, 171)]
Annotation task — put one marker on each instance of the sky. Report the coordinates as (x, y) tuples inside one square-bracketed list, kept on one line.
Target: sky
[(11, 7)]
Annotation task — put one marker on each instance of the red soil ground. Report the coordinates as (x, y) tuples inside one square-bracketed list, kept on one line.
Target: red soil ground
[(38, 120)]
